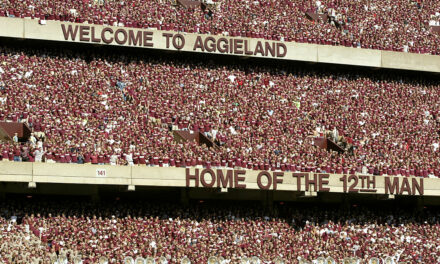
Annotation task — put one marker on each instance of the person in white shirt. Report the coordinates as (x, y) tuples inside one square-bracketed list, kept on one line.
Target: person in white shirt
[(113, 159), (435, 145), (32, 139), (129, 159), (39, 155)]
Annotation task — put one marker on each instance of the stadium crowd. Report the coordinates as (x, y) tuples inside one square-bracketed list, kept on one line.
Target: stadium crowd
[(399, 25), (122, 110), (36, 231)]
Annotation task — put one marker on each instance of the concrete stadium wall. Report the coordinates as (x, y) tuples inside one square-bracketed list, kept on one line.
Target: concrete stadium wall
[(10, 172), (31, 29), (77, 174), (197, 177), (12, 27)]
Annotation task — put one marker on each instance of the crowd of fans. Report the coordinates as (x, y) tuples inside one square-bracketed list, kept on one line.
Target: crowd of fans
[(399, 25), (38, 231), (123, 111)]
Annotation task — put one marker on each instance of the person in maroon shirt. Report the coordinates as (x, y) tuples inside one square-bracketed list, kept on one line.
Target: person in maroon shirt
[(17, 153), (5, 152), (94, 158), (87, 157), (106, 158), (74, 157), (100, 159), (259, 122)]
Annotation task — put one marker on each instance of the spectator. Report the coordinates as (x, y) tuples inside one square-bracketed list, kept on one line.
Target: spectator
[(35, 230), (262, 118), (398, 25)]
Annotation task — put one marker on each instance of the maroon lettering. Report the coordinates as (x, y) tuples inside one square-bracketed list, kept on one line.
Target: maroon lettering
[(117, 36), (277, 179), (343, 179), (259, 49), (134, 40), (238, 179), (83, 33), (354, 184), (313, 182), (281, 46), (199, 44), (178, 41), (405, 186), (362, 178), (167, 36), (238, 45), (418, 186), (368, 183), (104, 38), (222, 45), (391, 188), (94, 38), (371, 181), (323, 180), (70, 32), (246, 48), (298, 179), (203, 180), (210, 44), (260, 183), (266, 180), (231, 45), (269, 47), (223, 181), (148, 36), (190, 177)]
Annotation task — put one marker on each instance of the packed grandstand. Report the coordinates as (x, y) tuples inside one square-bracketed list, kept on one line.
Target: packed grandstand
[(38, 230), (120, 106), (402, 25), (108, 109)]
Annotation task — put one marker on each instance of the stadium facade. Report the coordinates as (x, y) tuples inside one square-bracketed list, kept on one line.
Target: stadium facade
[(270, 188)]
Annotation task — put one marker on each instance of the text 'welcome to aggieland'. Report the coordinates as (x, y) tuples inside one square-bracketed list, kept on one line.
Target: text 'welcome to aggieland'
[(176, 41)]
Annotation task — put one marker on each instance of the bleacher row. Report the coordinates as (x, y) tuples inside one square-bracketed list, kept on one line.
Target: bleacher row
[(123, 111), (220, 260), (399, 25), (101, 107), (43, 231)]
